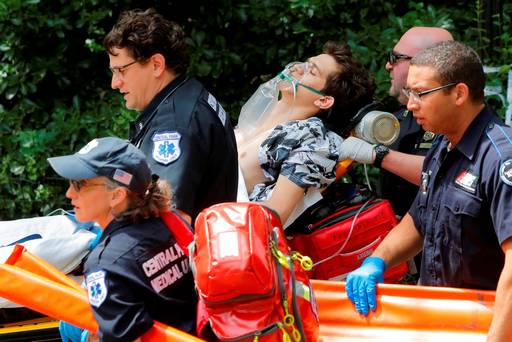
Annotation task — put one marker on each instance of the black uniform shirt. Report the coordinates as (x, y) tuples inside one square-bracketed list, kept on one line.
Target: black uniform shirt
[(188, 140), (463, 207), (138, 274), (413, 140)]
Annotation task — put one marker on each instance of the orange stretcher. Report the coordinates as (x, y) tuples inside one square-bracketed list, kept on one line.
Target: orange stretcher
[(408, 313), (32, 282)]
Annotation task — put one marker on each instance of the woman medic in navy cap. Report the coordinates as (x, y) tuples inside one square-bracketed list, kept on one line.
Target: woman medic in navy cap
[(137, 273)]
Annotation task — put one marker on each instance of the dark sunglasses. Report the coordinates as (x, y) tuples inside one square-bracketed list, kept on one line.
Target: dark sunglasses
[(395, 57), (80, 184)]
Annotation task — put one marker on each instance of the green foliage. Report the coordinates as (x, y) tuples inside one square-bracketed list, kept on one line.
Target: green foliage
[(54, 84), (54, 97)]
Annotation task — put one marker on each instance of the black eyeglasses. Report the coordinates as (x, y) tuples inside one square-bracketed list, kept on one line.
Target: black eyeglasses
[(118, 71), (82, 183), (416, 96), (395, 57)]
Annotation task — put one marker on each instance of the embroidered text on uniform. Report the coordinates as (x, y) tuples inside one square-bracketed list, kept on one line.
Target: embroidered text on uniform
[(162, 259)]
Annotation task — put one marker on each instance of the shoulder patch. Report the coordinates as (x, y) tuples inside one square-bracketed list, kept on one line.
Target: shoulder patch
[(96, 288), (506, 172), (166, 147), (212, 101), (221, 113)]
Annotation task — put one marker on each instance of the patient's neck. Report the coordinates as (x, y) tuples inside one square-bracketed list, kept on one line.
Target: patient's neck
[(285, 111)]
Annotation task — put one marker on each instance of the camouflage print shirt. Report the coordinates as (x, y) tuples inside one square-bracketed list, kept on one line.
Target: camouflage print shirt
[(303, 151)]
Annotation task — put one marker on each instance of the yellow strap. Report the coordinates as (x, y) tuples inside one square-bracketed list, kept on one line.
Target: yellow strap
[(280, 256)]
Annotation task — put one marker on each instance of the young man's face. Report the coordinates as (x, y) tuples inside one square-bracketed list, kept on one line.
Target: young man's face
[(134, 79), (433, 111), (312, 74)]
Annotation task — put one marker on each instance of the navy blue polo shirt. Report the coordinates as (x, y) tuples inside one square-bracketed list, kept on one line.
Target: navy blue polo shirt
[(463, 207), (412, 139)]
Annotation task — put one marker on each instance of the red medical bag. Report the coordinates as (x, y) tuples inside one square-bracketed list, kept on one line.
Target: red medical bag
[(341, 241), (251, 286)]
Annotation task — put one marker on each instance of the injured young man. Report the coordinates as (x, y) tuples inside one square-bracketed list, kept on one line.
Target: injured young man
[(290, 131)]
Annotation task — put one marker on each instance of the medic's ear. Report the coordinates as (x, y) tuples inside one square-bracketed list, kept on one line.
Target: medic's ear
[(325, 102), (118, 196), (157, 63), (461, 93)]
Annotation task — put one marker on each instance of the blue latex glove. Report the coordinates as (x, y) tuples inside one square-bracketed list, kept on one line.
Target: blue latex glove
[(69, 333), (362, 283)]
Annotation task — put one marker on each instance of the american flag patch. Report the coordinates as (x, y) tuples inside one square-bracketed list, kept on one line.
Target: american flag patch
[(122, 177)]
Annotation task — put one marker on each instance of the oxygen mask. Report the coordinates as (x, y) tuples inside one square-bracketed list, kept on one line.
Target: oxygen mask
[(293, 76), (256, 114), (257, 109)]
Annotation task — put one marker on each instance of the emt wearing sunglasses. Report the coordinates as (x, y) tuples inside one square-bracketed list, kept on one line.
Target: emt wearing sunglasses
[(128, 283), (413, 139)]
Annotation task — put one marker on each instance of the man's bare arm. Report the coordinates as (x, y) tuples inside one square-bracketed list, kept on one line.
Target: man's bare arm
[(407, 166), (285, 197), (402, 243)]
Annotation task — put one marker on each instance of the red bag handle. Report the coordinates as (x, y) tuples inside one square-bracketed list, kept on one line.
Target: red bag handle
[(180, 228)]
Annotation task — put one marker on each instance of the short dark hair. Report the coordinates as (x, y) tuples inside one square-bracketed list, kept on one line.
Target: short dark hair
[(352, 87), (455, 62), (145, 33)]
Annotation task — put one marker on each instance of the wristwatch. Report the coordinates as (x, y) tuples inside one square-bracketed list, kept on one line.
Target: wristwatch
[(380, 153)]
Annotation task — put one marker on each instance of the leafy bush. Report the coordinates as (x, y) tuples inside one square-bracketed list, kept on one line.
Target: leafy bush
[(54, 84)]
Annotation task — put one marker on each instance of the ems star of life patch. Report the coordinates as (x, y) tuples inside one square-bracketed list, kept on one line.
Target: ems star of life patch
[(96, 288), (506, 172), (166, 147)]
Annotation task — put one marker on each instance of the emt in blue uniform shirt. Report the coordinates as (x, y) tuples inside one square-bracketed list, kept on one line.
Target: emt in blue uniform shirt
[(182, 129), (137, 273), (461, 216)]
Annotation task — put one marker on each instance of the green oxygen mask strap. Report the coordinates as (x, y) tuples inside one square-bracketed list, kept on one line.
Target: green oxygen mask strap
[(285, 77)]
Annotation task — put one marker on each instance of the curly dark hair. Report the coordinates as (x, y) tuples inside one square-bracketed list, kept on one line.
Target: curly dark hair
[(352, 88), (156, 199), (145, 33)]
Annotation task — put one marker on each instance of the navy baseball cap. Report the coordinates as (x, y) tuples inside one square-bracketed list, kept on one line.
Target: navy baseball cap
[(110, 157)]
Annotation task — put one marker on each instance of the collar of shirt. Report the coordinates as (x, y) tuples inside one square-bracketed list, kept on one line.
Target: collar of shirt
[(139, 123), (113, 226), (471, 138)]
